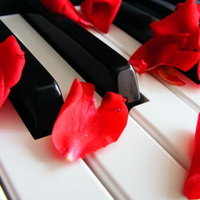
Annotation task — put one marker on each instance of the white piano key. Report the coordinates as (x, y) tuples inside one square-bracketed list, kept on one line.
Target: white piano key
[(42, 51), (157, 174), (2, 194), (33, 165), (138, 167), (189, 93), (166, 117), (33, 170)]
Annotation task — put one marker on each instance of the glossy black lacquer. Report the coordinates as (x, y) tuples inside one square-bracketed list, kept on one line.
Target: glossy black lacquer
[(134, 17), (95, 61), (36, 97)]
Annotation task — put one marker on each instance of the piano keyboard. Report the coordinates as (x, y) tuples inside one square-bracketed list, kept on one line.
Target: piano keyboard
[(149, 161)]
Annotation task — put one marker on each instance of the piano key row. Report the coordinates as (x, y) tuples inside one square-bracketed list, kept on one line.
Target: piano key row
[(134, 18), (102, 162), (128, 45), (165, 112)]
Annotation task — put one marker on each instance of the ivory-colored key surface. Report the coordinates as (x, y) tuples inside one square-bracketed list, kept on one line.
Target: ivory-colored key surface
[(135, 167), (2, 194), (30, 168), (138, 167), (166, 116)]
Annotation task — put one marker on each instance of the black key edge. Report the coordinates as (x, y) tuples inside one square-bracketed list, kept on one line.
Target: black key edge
[(135, 22), (92, 59), (36, 97)]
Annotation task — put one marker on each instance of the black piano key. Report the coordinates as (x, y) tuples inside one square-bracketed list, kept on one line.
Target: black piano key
[(36, 97), (135, 22), (157, 8), (8, 7), (76, 2), (175, 1), (95, 61)]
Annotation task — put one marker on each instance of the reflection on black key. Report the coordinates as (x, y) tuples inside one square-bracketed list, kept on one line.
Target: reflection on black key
[(36, 97), (157, 8), (135, 16), (95, 61)]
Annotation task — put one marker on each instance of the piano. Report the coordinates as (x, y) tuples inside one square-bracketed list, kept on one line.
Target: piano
[(150, 160)]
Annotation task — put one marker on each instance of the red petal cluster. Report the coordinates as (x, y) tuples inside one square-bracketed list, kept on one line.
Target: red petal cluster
[(101, 12), (175, 43), (178, 5), (98, 13), (192, 184), (81, 128), (66, 8), (11, 65)]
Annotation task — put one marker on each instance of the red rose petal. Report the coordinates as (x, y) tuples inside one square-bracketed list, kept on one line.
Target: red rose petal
[(192, 183), (2, 96), (170, 55), (81, 128), (178, 5), (139, 65), (169, 75), (198, 70), (148, 54), (184, 20), (66, 8), (101, 12), (12, 63), (198, 10)]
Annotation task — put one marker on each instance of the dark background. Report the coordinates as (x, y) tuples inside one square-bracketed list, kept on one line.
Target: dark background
[(18, 6)]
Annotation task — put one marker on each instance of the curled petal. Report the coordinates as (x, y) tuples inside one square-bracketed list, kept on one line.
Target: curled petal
[(198, 10), (139, 65), (2, 96), (178, 5), (170, 55), (98, 13), (12, 63), (101, 12), (192, 183), (169, 75), (184, 20), (66, 8), (81, 128), (149, 52), (198, 71), (11, 60)]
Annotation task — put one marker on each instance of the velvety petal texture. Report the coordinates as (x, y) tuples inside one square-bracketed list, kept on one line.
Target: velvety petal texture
[(81, 128), (169, 75), (98, 13), (175, 44), (192, 184), (165, 51), (178, 5), (12, 62), (101, 12), (66, 8), (184, 20)]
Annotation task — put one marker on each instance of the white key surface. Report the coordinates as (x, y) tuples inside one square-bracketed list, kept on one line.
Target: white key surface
[(139, 168), (36, 171), (166, 117), (31, 161), (135, 167), (2, 194)]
